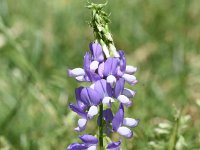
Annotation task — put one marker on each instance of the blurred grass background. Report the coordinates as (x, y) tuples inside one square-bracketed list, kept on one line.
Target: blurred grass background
[(40, 39)]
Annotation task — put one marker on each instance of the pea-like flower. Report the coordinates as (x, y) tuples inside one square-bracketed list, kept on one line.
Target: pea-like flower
[(114, 145), (119, 123), (89, 143), (87, 100)]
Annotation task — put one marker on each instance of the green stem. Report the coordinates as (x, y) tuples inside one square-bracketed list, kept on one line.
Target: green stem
[(101, 127), (173, 138)]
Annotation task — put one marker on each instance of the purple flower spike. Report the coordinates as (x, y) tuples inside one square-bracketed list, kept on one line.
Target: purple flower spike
[(114, 145), (108, 76), (107, 70)]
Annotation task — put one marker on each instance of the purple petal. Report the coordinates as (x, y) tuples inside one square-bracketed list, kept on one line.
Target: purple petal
[(84, 96), (119, 87), (89, 139), (80, 104), (103, 88), (128, 93), (108, 115), (79, 111), (87, 61), (122, 61), (92, 76), (78, 92), (126, 132), (118, 118), (97, 52), (114, 145), (77, 146), (76, 72), (110, 66), (101, 69), (90, 96), (130, 122)]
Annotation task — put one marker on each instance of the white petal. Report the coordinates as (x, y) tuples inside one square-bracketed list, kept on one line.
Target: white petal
[(81, 125), (92, 112), (92, 86), (93, 147), (130, 122), (82, 122), (124, 131), (78, 129), (130, 69), (112, 80), (76, 72), (108, 101), (80, 78), (129, 78), (129, 93), (94, 65), (124, 100)]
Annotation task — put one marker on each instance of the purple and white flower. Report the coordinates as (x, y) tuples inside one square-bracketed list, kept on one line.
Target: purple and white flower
[(119, 123), (114, 145), (89, 143)]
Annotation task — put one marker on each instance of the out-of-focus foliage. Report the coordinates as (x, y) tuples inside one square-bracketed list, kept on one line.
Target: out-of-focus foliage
[(40, 39), (170, 134)]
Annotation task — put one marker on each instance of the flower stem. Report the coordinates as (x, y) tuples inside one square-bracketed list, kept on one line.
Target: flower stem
[(101, 127)]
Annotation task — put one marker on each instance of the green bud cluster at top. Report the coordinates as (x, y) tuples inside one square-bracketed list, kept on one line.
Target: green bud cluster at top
[(99, 23)]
